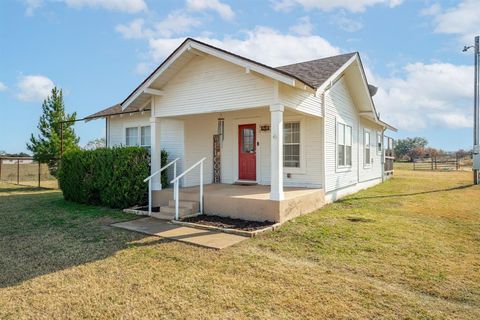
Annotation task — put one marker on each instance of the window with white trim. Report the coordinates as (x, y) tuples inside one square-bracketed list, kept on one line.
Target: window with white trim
[(379, 143), (131, 136), (344, 145), (137, 136), (145, 136), (291, 144), (366, 136)]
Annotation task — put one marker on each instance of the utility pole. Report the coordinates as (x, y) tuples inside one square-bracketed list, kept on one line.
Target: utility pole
[(476, 112)]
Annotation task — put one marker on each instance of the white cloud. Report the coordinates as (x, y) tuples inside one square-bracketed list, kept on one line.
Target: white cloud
[(261, 44), (224, 10), (326, 5), (437, 94), (34, 88), (134, 30), (159, 49), (453, 119), (346, 23), (434, 9), (3, 87), (461, 20), (130, 6), (175, 23), (31, 6), (144, 68), (304, 27)]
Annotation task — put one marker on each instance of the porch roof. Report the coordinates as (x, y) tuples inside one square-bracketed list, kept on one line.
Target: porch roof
[(114, 110)]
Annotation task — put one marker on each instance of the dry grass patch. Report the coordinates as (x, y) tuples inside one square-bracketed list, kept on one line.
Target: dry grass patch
[(408, 248), (28, 174)]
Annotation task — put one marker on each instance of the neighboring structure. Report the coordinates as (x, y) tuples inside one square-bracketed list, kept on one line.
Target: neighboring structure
[(305, 134)]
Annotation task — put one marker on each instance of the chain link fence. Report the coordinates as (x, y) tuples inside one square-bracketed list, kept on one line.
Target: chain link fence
[(25, 171)]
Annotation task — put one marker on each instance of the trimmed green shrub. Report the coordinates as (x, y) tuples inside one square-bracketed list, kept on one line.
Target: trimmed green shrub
[(111, 177)]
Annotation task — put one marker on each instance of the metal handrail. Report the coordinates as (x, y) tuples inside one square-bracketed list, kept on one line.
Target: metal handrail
[(149, 179), (161, 169), (176, 181), (188, 170)]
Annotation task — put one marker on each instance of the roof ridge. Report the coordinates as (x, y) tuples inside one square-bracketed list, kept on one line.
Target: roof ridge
[(324, 58)]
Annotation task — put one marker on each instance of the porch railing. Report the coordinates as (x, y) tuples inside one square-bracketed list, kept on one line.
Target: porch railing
[(149, 179), (176, 181)]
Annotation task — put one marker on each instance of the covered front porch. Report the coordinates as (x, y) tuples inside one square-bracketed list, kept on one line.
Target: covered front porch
[(238, 156)]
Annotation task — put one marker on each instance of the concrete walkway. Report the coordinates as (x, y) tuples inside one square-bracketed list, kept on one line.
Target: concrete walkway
[(205, 238)]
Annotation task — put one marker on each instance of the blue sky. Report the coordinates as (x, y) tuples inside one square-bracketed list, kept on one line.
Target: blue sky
[(97, 51)]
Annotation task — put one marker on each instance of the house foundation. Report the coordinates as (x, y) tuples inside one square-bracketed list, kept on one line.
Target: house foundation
[(248, 202)]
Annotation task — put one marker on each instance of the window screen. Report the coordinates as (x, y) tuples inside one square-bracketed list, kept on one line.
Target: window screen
[(145, 136), (367, 147), (131, 136), (344, 145), (291, 145)]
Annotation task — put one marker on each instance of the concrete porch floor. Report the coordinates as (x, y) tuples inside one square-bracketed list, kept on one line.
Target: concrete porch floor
[(248, 202), (160, 228), (260, 192)]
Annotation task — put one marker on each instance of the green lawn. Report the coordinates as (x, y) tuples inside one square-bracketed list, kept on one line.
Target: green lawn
[(409, 248)]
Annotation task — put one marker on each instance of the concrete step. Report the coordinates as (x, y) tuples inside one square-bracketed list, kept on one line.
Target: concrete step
[(182, 211), (193, 205), (163, 215)]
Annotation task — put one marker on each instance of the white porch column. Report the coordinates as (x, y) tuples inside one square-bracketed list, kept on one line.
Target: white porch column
[(156, 150), (276, 153)]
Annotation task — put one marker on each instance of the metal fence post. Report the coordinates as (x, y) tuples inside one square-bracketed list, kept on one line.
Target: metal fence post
[(61, 139), (39, 168), (1, 160), (18, 171)]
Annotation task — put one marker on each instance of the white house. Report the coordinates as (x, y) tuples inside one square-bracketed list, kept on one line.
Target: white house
[(277, 142)]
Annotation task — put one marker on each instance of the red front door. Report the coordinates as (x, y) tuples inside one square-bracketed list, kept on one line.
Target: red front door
[(247, 158)]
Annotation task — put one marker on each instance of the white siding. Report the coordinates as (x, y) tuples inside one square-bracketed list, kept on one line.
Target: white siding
[(117, 125), (172, 140), (339, 107), (191, 138), (199, 131), (208, 84), (300, 100), (374, 170), (171, 131)]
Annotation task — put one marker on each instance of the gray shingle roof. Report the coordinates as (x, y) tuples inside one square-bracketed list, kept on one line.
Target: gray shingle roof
[(116, 109), (316, 72)]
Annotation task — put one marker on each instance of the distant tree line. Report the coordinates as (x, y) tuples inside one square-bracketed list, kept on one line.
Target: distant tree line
[(95, 144), (409, 149), (21, 154)]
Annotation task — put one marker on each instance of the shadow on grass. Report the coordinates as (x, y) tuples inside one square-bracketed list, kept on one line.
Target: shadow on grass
[(22, 189), (40, 233), (13, 187), (405, 194)]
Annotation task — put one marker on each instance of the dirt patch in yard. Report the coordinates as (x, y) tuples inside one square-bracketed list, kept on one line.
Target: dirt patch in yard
[(229, 223), (359, 219)]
